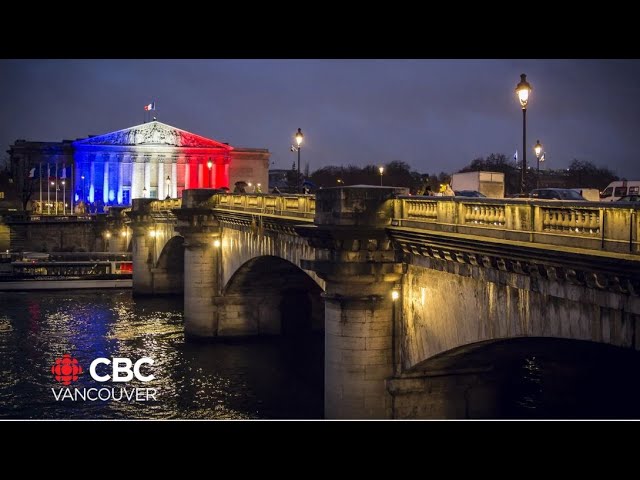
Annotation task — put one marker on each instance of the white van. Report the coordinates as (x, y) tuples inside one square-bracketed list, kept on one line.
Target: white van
[(618, 189)]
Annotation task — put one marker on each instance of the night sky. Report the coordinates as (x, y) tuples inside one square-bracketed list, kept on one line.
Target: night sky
[(436, 115)]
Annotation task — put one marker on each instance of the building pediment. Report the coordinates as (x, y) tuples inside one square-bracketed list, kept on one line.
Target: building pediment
[(152, 133)]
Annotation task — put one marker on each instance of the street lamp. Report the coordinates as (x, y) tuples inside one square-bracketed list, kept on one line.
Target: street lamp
[(209, 166), (168, 184), (523, 89), (381, 170), (538, 150), (84, 200), (144, 192), (299, 137), (64, 197)]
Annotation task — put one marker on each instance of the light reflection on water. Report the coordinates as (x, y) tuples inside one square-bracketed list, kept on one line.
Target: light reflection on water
[(263, 378)]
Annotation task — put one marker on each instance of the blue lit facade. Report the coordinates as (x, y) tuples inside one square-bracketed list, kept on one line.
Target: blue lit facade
[(151, 160)]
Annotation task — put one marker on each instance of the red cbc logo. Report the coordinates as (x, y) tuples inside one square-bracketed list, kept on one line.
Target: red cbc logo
[(66, 369)]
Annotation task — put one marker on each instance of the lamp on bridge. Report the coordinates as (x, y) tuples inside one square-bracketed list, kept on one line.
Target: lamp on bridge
[(144, 192), (523, 89), (299, 137), (381, 170), (168, 184), (538, 150)]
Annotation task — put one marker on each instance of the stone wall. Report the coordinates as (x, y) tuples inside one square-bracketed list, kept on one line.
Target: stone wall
[(447, 305)]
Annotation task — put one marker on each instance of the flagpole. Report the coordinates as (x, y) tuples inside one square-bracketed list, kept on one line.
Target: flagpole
[(72, 188), (48, 189), (40, 169), (56, 185)]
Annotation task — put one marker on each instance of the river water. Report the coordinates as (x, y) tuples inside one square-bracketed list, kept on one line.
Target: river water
[(240, 379), (269, 377)]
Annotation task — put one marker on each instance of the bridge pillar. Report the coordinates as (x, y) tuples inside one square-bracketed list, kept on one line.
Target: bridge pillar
[(355, 258), (143, 244), (201, 232)]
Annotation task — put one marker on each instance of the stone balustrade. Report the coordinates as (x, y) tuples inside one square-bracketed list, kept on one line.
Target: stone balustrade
[(603, 226)]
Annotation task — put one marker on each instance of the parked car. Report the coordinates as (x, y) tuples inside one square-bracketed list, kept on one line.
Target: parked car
[(629, 198), (469, 193), (556, 194)]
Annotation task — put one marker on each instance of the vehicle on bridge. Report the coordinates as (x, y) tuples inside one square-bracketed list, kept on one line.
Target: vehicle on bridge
[(620, 188), (556, 194), (629, 198), (469, 193)]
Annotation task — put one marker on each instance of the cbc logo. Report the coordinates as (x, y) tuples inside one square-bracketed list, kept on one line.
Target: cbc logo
[(117, 369), (122, 369)]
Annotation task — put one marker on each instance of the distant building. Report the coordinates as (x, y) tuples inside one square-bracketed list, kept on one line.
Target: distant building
[(278, 178), (152, 160)]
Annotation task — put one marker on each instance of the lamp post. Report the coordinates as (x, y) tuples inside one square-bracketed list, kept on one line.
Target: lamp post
[(209, 166), (168, 185), (84, 200), (538, 150), (64, 197), (144, 192), (523, 89), (381, 170), (299, 137)]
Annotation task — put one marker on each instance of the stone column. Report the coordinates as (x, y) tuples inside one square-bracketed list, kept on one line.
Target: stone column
[(174, 178), (105, 181), (202, 269), (92, 179), (135, 178), (355, 258), (187, 172), (200, 173), (147, 176), (121, 169)]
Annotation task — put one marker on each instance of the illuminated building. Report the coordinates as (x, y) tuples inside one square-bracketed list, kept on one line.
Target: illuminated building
[(135, 162)]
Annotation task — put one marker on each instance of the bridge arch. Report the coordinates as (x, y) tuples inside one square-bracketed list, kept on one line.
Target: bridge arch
[(270, 295), (523, 377), (168, 271)]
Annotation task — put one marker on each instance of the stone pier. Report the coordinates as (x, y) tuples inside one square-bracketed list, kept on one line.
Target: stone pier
[(360, 268), (202, 241)]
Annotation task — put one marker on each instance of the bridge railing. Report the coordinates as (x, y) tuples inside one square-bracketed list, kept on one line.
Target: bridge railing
[(167, 204), (593, 225), (303, 206)]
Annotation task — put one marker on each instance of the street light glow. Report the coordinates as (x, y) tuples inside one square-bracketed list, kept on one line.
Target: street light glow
[(395, 295), (299, 137), (216, 243), (538, 149), (523, 89)]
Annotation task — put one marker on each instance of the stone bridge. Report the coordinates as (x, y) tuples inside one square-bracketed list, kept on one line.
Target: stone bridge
[(407, 289)]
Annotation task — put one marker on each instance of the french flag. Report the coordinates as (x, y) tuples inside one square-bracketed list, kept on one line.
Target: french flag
[(151, 106)]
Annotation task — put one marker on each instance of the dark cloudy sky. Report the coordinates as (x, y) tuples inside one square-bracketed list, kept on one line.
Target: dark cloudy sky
[(437, 115)]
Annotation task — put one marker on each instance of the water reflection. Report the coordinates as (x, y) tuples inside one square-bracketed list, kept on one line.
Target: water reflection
[(261, 378)]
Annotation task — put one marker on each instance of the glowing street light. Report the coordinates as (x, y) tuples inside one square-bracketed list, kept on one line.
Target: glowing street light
[(538, 151), (381, 170), (523, 89), (299, 137), (168, 184), (64, 197)]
